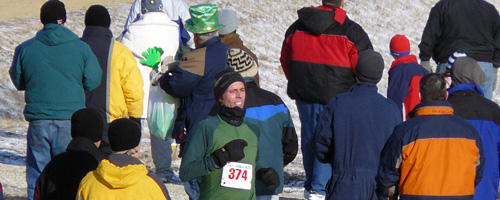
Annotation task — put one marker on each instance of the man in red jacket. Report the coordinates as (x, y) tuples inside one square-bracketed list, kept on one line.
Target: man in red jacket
[(317, 75)]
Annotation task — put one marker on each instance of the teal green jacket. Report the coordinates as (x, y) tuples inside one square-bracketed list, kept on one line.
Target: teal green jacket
[(54, 68), (209, 135)]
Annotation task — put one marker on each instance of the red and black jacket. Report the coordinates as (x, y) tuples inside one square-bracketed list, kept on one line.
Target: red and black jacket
[(320, 52)]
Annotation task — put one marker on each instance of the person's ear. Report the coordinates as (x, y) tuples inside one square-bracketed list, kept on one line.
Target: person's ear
[(446, 95), (60, 22)]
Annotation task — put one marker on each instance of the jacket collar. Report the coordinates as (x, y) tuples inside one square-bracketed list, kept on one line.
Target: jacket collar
[(250, 80), (97, 31), (404, 59), (84, 144), (231, 38), (432, 108), (364, 85), (209, 42), (466, 87)]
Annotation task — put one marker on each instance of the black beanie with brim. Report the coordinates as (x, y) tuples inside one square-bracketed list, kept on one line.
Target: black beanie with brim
[(223, 79)]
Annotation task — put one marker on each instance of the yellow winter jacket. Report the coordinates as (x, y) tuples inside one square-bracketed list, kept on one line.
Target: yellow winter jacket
[(124, 86), (127, 180)]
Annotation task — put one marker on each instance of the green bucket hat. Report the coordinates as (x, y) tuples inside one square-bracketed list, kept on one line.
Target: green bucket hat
[(203, 18)]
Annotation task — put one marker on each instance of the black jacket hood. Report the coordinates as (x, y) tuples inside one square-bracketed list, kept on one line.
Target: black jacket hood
[(317, 20)]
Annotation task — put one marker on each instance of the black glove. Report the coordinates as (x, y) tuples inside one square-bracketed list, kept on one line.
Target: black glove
[(232, 151), (269, 176), (137, 121)]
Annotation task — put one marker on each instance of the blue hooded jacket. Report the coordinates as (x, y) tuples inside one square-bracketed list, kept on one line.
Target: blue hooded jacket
[(468, 101)]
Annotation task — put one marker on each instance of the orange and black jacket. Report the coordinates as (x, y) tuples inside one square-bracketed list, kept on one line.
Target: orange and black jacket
[(434, 155), (320, 52)]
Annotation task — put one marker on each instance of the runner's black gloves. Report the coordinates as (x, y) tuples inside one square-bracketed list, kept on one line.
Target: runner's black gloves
[(232, 151), (269, 176)]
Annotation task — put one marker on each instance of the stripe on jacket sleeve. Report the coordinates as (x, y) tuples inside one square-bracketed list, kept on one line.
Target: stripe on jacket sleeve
[(160, 184), (108, 80), (265, 112)]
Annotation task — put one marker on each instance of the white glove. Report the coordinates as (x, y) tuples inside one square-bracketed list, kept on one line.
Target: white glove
[(155, 76), (168, 64)]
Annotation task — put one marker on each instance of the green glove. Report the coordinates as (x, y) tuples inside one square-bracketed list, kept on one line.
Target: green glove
[(153, 57)]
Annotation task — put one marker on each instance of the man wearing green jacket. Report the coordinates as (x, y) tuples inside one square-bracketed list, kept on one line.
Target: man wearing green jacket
[(223, 149), (53, 68)]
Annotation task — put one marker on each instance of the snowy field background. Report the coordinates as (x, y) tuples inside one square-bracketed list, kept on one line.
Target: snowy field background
[(262, 27)]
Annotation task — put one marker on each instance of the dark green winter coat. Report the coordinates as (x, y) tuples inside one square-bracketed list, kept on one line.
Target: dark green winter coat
[(54, 68), (208, 136)]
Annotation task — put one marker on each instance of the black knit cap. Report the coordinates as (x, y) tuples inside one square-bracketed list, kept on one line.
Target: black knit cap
[(87, 123), (97, 15), (52, 11), (223, 79), (123, 134), (370, 66)]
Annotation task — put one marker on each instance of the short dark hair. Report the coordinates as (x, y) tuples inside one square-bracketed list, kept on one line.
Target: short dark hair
[(433, 87), (332, 3)]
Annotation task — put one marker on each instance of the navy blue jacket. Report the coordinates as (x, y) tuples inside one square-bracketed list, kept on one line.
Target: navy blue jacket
[(484, 114), (404, 82), (194, 79), (351, 132)]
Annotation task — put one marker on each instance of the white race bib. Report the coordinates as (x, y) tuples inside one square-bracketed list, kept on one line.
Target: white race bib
[(237, 175)]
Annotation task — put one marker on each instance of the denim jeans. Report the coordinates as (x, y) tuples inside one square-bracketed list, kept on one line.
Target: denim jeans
[(441, 67), (161, 151), (46, 139), (317, 173), (490, 77), (192, 188)]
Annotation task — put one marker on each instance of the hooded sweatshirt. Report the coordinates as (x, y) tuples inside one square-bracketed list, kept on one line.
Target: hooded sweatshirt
[(121, 177), (54, 68)]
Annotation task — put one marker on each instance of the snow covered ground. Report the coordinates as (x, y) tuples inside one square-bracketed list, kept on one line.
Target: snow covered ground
[(262, 26)]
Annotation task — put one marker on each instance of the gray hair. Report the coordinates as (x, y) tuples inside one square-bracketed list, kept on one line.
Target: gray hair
[(207, 36)]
